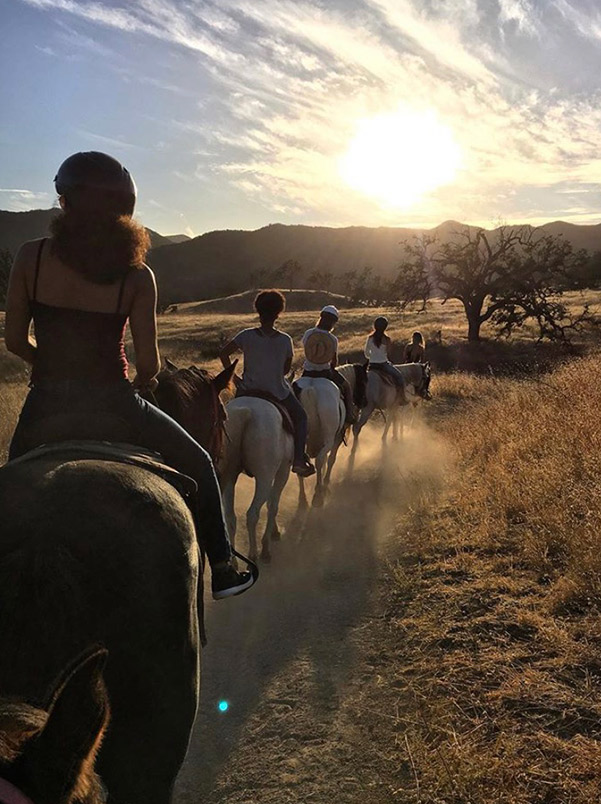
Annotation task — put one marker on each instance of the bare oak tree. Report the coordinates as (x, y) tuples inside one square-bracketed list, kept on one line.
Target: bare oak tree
[(507, 277)]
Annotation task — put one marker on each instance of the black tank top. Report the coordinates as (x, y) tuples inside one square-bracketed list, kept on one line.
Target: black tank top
[(77, 344)]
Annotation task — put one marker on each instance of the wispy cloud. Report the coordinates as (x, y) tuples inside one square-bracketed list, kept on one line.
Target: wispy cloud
[(113, 142), (285, 81), (16, 200)]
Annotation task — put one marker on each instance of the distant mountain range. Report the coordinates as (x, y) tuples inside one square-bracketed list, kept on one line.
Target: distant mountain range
[(223, 262), (17, 227)]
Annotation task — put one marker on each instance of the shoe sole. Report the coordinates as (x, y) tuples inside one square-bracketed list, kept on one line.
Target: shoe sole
[(234, 590)]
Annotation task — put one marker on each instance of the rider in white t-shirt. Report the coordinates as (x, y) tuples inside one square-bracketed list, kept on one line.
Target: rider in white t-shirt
[(321, 356), (378, 348), (268, 357)]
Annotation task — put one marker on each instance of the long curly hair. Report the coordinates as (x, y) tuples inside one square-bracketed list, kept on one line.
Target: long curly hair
[(98, 241)]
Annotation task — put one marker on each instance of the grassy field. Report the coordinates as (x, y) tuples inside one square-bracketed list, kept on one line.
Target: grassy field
[(488, 674)]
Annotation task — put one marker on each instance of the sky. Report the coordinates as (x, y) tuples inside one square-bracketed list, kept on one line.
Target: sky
[(235, 114)]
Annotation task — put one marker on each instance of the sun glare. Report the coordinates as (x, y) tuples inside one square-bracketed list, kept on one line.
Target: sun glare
[(398, 158)]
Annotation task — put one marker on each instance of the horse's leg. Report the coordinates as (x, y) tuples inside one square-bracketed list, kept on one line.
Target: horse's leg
[(263, 485), (318, 496), (365, 414), (387, 423), (273, 504), (332, 458), (397, 418), (228, 496), (303, 503)]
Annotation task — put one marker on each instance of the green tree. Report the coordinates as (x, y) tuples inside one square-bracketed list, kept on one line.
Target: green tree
[(514, 275)]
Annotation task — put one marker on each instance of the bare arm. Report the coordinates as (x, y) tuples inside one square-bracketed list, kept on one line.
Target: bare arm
[(228, 350), (18, 312), (143, 325)]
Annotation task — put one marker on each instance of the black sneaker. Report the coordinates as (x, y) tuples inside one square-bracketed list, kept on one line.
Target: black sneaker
[(227, 581), (305, 469)]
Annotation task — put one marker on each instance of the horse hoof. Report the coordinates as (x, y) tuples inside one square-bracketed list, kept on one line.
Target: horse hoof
[(265, 557), (318, 502), (276, 536)]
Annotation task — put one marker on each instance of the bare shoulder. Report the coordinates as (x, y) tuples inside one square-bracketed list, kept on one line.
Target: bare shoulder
[(143, 280), (27, 254)]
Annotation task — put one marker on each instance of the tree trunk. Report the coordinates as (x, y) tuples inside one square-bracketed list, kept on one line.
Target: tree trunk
[(473, 327)]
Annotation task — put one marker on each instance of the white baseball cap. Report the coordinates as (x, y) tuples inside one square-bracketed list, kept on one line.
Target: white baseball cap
[(331, 310)]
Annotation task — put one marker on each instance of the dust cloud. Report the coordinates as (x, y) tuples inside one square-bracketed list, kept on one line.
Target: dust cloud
[(317, 588)]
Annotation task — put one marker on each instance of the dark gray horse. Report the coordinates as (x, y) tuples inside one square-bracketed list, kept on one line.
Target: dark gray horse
[(95, 552), (98, 552)]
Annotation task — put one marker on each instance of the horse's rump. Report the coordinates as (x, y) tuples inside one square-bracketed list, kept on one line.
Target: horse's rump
[(97, 552), (287, 423)]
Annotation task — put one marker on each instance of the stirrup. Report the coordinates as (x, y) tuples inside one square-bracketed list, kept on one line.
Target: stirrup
[(254, 570)]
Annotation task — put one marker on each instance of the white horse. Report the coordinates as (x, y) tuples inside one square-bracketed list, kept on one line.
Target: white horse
[(326, 414), (257, 444), (385, 396)]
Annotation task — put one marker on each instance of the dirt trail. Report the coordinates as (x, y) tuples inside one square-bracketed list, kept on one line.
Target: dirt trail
[(291, 656)]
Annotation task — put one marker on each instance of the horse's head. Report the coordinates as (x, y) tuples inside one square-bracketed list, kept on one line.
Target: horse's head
[(423, 389), (192, 397), (47, 753)]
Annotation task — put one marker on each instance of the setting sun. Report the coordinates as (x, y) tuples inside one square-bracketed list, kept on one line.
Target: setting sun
[(397, 158)]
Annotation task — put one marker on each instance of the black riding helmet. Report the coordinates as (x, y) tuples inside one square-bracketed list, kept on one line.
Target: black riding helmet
[(381, 322), (91, 171)]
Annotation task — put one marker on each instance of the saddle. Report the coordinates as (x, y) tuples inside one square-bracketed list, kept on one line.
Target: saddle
[(286, 420), (115, 453), (386, 377)]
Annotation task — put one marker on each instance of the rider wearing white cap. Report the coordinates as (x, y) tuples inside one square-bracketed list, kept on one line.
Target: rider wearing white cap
[(321, 356)]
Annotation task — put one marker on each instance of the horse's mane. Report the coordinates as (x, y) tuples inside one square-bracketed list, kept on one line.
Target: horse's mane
[(178, 389)]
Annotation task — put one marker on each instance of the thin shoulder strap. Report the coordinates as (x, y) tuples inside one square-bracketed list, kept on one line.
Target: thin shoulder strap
[(121, 288), (37, 268)]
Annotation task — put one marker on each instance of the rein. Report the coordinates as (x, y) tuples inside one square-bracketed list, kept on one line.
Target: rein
[(9, 794)]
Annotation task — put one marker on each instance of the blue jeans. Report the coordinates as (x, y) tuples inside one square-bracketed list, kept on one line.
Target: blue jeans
[(299, 422), (148, 427), (392, 371)]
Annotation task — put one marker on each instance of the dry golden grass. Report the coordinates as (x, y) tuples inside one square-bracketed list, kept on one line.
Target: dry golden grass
[(495, 614), (487, 679)]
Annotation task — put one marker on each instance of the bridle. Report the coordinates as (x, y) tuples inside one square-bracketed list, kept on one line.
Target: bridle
[(9, 794)]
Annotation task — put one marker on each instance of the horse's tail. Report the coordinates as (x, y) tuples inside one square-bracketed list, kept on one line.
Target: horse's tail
[(315, 437)]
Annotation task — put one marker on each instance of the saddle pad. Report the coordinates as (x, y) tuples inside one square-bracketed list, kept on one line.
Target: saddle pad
[(286, 420), (116, 453)]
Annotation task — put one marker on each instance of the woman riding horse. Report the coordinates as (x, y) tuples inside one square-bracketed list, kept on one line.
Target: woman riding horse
[(377, 350), (268, 355), (80, 287), (321, 356)]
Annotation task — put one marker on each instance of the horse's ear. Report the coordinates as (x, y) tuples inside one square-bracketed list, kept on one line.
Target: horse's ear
[(78, 714), (223, 379), (170, 365)]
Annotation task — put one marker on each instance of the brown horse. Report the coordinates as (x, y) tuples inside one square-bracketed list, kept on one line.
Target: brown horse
[(96, 552), (47, 752)]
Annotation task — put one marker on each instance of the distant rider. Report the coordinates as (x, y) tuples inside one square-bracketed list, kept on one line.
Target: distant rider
[(378, 349), (321, 356), (415, 352), (81, 287), (268, 357)]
